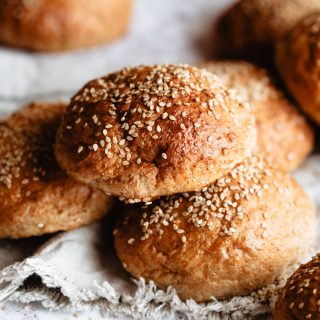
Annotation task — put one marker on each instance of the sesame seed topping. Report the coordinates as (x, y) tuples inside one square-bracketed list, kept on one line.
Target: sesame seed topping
[(80, 149), (131, 241), (302, 288), (221, 201), (26, 154), (164, 155), (137, 100)]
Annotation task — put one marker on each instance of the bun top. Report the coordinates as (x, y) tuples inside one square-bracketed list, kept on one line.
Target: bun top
[(165, 120)]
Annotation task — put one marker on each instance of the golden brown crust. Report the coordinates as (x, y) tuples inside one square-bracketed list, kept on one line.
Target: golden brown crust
[(297, 61), (149, 131), (284, 137), (229, 239), (300, 298), (55, 25), (250, 27), (36, 196)]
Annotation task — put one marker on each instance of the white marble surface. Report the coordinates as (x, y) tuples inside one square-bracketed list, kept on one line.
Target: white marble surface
[(162, 31)]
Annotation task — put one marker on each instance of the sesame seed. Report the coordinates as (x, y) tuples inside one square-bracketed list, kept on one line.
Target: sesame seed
[(221, 200), (232, 230), (131, 241), (95, 147), (164, 156), (80, 149)]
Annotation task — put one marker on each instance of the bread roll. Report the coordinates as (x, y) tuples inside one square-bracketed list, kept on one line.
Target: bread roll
[(57, 25), (250, 27), (148, 131), (230, 238), (36, 196), (297, 61), (284, 137), (300, 298)]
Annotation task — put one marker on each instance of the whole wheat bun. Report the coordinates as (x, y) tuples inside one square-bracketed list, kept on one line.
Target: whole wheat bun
[(148, 131), (250, 27), (57, 25), (300, 298), (234, 236), (297, 61), (36, 196), (284, 137)]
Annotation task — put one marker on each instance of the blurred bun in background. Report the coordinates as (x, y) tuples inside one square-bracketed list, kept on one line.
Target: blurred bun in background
[(58, 25)]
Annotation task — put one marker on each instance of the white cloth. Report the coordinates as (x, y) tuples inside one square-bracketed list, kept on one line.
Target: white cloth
[(78, 270)]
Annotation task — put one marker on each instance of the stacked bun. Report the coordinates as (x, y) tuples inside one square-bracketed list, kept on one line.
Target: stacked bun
[(209, 216), (149, 131), (225, 240)]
